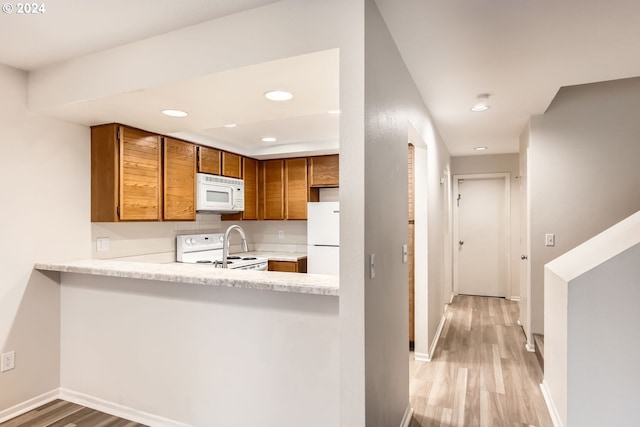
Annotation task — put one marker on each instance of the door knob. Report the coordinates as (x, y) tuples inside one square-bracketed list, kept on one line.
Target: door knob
[(460, 242), (523, 257)]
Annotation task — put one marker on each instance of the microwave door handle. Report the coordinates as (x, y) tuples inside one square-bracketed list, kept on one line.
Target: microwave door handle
[(231, 199)]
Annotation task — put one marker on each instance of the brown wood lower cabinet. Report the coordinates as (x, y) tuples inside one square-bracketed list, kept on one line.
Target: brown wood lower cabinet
[(289, 266)]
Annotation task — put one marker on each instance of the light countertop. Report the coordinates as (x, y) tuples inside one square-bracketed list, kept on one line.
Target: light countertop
[(275, 256), (200, 274)]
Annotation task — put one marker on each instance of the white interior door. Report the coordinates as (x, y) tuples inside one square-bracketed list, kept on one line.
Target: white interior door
[(481, 234)]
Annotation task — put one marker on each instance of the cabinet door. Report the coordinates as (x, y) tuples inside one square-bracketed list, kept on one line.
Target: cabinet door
[(140, 179), (250, 178), (273, 189), (324, 171), (296, 188), (209, 160), (179, 180), (105, 163), (231, 165)]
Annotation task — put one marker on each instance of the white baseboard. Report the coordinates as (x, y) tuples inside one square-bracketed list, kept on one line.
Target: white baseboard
[(434, 344), (28, 405), (553, 411), (118, 410), (406, 419), (421, 357)]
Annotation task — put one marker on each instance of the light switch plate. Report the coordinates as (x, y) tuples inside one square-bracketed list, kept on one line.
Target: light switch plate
[(102, 244), (372, 266), (550, 239)]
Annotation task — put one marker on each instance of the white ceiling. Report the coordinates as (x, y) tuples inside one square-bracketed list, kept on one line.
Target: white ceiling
[(235, 96), (71, 28), (519, 51)]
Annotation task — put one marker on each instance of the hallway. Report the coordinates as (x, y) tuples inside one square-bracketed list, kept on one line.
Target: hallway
[(481, 375)]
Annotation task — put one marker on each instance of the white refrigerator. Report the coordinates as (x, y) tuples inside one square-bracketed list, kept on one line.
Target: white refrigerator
[(323, 238)]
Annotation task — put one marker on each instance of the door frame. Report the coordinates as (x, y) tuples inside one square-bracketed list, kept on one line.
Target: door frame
[(506, 177)]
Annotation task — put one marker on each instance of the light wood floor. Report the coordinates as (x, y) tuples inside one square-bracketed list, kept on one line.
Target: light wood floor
[(481, 375), (64, 414)]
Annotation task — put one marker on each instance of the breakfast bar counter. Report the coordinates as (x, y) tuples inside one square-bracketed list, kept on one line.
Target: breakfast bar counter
[(200, 274), (194, 345)]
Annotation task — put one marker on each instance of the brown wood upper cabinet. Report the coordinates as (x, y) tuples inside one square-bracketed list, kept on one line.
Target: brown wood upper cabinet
[(179, 180), (250, 178), (231, 165), (125, 174), (272, 191), (296, 188), (324, 171), (209, 160), (284, 190)]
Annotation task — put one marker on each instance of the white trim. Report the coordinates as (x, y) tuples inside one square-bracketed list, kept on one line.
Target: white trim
[(406, 418), (117, 410), (516, 299), (421, 357), (432, 350), (28, 405), (507, 219), (434, 344), (553, 411), (530, 347)]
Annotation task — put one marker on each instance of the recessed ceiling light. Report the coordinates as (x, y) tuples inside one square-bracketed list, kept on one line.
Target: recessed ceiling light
[(175, 113), (480, 148), (230, 125), (482, 103), (333, 111), (269, 139), (278, 95)]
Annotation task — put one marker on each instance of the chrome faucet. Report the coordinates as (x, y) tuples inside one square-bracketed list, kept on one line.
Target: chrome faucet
[(225, 243)]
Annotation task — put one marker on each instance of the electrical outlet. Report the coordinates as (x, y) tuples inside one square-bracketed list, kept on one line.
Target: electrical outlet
[(405, 253), (8, 361), (280, 234)]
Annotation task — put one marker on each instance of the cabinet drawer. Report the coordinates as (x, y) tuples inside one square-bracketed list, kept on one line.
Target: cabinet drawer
[(289, 266)]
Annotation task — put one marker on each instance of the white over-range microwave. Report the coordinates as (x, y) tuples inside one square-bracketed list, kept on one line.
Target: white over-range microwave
[(219, 194)]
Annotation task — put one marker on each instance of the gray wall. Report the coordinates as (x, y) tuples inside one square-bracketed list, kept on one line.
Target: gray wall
[(45, 174), (392, 104), (583, 169)]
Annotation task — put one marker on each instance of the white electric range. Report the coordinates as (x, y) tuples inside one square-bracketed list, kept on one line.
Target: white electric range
[(207, 249)]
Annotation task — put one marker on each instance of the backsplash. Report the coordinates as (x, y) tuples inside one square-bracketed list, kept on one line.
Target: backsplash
[(128, 239)]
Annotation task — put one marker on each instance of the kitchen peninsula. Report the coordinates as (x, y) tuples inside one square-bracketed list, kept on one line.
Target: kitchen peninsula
[(199, 274), (190, 345)]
